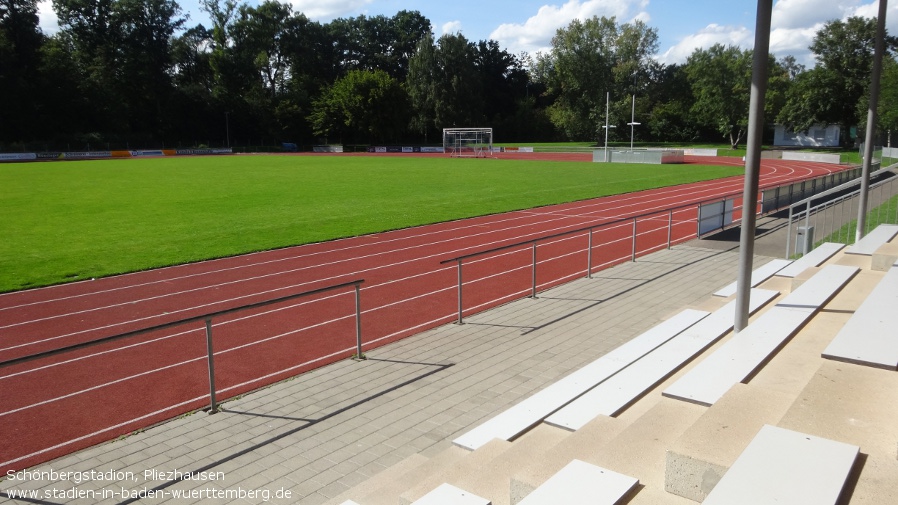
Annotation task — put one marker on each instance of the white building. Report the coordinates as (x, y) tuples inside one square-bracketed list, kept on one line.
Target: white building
[(816, 136)]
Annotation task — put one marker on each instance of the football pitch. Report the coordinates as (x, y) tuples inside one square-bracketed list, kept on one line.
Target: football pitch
[(69, 221)]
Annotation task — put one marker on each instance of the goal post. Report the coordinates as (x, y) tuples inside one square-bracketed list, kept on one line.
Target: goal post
[(468, 142)]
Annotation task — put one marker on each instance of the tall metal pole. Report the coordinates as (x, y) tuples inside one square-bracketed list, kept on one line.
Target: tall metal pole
[(753, 162), (633, 122), (227, 130), (871, 118), (607, 113)]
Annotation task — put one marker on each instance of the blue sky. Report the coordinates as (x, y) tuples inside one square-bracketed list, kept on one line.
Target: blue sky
[(528, 25)]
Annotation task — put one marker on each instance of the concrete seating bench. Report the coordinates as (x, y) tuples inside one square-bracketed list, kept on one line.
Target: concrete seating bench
[(885, 256), (871, 242), (581, 483), (739, 358), (447, 494), (758, 276), (522, 416), (812, 259), (870, 337), (619, 391), (784, 466)]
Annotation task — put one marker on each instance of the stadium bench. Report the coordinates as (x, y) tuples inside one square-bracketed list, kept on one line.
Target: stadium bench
[(812, 259), (784, 466), (871, 242), (758, 276), (519, 418), (581, 483), (615, 394), (448, 494), (741, 356), (869, 337)]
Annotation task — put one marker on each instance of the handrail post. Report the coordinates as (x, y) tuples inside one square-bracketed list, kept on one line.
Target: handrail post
[(358, 321), (698, 220), (213, 405), (807, 217), (669, 228), (460, 321), (589, 256), (533, 292), (634, 241), (723, 210), (789, 231)]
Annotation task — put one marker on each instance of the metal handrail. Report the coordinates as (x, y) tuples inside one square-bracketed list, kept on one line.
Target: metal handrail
[(844, 192), (207, 318), (533, 242)]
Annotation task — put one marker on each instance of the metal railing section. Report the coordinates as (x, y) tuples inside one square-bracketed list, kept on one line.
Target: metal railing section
[(589, 230), (207, 319), (719, 212), (832, 214)]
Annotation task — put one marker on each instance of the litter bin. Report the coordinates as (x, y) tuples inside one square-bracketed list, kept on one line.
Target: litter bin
[(804, 242)]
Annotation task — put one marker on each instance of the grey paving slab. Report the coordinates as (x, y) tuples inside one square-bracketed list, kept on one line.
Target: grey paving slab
[(324, 430)]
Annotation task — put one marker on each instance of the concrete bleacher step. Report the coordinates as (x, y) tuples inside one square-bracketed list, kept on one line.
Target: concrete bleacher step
[(640, 449), (741, 357), (455, 472), (583, 444), (580, 483), (447, 494), (636, 450), (785, 466), (856, 405), (385, 487), (872, 241), (815, 258), (870, 337), (522, 416), (885, 257), (697, 460), (491, 478), (619, 391), (656, 496), (758, 276)]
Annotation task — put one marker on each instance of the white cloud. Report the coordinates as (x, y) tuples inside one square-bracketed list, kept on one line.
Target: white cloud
[(451, 27), (47, 17), (793, 26), (871, 10), (794, 42), (800, 14), (536, 33), (326, 10), (712, 34)]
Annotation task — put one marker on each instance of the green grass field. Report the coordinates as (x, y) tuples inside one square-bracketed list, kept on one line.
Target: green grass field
[(67, 221)]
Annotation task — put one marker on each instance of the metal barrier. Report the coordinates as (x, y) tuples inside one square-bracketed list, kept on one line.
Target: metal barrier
[(834, 215), (710, 217), (207, 318), (589, 230)]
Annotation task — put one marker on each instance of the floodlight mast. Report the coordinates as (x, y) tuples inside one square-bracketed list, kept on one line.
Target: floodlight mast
[(633, 122), (606, 127)]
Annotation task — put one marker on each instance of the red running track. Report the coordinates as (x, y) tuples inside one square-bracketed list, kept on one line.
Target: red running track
[(54, 406)]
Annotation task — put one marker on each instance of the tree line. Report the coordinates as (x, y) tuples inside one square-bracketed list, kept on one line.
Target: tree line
[(133, 74)]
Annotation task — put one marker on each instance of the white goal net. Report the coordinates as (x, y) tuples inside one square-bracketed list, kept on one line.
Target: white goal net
[(468, 142)]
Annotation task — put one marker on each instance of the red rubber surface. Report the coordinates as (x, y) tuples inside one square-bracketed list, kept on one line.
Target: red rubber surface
[(54, 406)]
